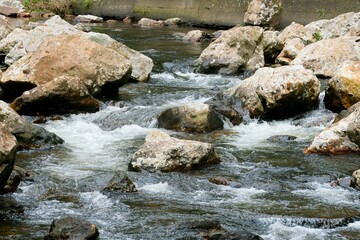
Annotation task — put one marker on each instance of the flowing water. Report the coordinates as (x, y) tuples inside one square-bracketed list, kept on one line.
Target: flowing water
[(275, 190)]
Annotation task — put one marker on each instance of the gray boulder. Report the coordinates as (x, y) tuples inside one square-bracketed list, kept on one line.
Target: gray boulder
[(28, 135), (195, 117), (160, 152), (236, 50), (5, 27), (8, 147)]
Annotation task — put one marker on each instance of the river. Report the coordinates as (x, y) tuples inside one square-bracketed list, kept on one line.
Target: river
[(275, 189)]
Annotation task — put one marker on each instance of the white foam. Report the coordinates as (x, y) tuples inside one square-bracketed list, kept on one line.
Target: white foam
[(161, 187), (96, 200)]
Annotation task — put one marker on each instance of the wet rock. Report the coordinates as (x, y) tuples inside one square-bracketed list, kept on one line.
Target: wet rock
[(127, 19), (99, 68), (164, 153), (5, 27), (17, 175), (196, 36), (343, 25), (28, 135), (9, 206), (172, 21), (343, 89), (120, 183), (72, 228), (263, 13), (326, 118), (195, 117), (236, 50), (147, 22), (59, 96), (275, 93), (272, 45), (225, 235), (326, 56), (355, 179), (341, 137), (281, 138), (8, 147), (219, 181), (347, 112), (88, 19)]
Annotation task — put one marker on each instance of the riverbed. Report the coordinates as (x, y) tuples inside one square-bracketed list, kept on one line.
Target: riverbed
[(275, 190)]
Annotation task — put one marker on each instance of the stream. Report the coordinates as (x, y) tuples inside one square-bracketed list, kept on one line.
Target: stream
[(275, 189)]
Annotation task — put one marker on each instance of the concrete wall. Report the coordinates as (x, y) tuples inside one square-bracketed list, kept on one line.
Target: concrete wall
[(215, 12)]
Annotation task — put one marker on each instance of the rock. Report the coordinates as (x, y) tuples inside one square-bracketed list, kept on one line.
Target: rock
[(195, 117), (147, 22), (59, 96), (281, 138), (346, 24), (83, 27), (236, 50), (9, 206), (17, 175), (343, 89), (11, 40), (72, 228), (28, 135), (347, 112), (196, 36), (5, 27), (272, 45), (10, 7), (263, 13), (290, 51), (225, 235), (219, 181), (167, 154), (120, 183), (341, 137), (355, 179), (88, 19), (276, 93), (217, 34), (326, 56), (99, 68), (8, 147), (172, 21), (127, 19)]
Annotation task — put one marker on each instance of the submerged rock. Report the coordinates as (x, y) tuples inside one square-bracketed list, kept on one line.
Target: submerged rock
[(120, 183), (281, 138), (219, 181), (27, 134), (8, 147), (326, 56), (164, 153), (341, 137), (236, 50), (59, 96), (276, 93), (264, 13), (194, 118), (9, 206), (72, 228), (343, 89)]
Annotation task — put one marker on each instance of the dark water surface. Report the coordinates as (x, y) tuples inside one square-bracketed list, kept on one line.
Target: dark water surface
[(275, 190)]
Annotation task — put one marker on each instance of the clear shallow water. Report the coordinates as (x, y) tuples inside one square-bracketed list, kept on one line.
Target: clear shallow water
[(275, 190)]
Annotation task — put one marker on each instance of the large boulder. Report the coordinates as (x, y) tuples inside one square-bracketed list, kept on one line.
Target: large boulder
[(343, 89), (28, 135), (59, 96), (264, 13), (8, 146), (101, 69), (72, 228), (341, 137), (195, 117), (326, 56), (20, 42), (347, 24), (236, 50), (5, 27), (164, 153), (274, 93)]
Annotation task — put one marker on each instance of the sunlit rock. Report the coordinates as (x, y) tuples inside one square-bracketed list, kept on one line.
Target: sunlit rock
[(59, 96), (5, 27), (99, 68), (344, 88), (88, 19), (274, 93), (236, 50), (341, 137), (27, 134), (8, 147), (10, 7), (160, 152), (72, 228), (196, 36), (194, 117), (147, 22), (326, 56), (265, 13), (172, 21)]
